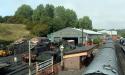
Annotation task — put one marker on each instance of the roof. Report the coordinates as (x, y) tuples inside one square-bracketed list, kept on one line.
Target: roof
[(80, 30), (109, 32), (88, 31), (79, 50)]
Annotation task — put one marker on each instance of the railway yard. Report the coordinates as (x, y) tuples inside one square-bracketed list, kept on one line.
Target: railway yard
[(14, 68), (62, 37), (21, 68)]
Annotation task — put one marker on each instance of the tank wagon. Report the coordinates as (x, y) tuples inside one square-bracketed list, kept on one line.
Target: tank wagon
[(105, 62)]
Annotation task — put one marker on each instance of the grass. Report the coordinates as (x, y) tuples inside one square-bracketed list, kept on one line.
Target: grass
[(11, 32)]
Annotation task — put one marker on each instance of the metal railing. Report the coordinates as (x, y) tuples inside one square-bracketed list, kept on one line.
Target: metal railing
[(43, 65)]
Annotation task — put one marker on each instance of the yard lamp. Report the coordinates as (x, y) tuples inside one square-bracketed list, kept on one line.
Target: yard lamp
[(92, 41), (29, 57), (15, 57), (61, 49)]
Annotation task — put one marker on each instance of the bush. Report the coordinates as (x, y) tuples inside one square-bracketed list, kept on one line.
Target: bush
[(123, 34), (4, 43), (97, 40), (40, 30)]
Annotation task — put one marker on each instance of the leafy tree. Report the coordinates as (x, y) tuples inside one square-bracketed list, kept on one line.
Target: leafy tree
[(67, 16), (5, 19), (85, 23), (59, 12), (1, 19), (57, 24), (123, 34), (25, 11), (47, 19), (58, 20), (40, 30), (38, 14), (71, 18), (49, 9), (11, 19), (97, 40)]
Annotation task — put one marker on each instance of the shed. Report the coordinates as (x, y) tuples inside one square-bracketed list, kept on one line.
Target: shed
[(78, 58), (72, 34)]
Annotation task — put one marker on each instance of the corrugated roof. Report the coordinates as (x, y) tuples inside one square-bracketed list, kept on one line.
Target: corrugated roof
[(87, 31)]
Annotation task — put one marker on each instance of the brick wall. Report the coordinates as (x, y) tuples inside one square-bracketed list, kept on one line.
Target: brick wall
[(72, 63)]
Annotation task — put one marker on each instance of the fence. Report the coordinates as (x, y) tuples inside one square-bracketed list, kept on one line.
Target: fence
[(43, 65), (47, 67)]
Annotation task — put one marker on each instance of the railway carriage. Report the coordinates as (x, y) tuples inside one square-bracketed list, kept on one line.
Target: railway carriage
[(105, 62)]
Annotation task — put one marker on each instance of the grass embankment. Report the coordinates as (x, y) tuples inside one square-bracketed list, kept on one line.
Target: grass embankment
[(12, 32)]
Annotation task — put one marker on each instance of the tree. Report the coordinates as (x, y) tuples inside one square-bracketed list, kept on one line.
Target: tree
[(47, 19), (57, 24), (85, 23), (49, 9), (71, 18), (67, 16), (123, 34), (38, 14), (40, 30), (60, 17), (25, 12), (5, 19), (1, 19), (58, 21)]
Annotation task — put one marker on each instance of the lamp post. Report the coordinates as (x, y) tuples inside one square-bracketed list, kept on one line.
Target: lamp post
[(61, 49), (29, 58), (92, 42), (15, 58)]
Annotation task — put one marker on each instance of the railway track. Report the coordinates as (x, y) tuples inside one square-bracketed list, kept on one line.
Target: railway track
[(20, 69)]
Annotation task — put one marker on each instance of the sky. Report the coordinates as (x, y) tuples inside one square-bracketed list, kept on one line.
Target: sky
[(105, 14)]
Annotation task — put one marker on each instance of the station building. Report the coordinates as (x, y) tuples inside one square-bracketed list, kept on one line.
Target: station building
[(72, 34)]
